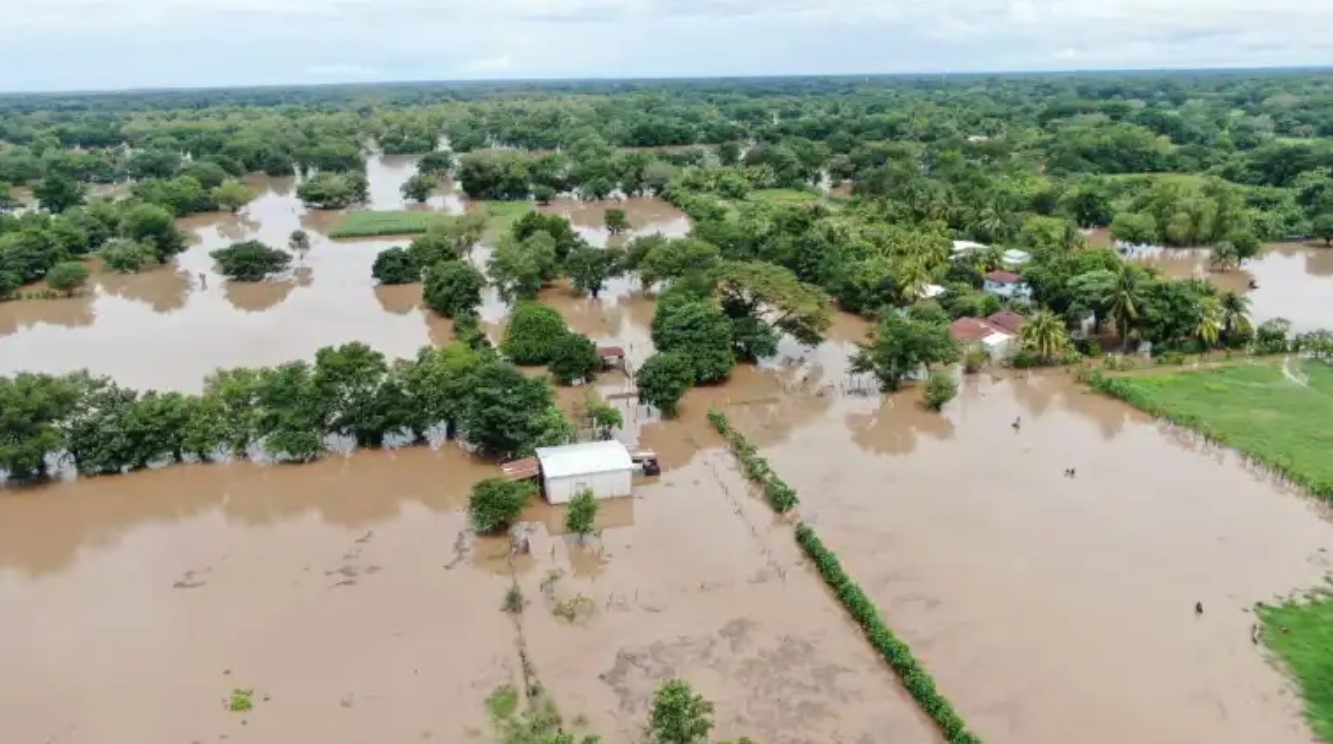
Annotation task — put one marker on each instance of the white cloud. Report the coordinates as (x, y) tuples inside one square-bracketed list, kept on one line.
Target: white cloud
[(499, 63)]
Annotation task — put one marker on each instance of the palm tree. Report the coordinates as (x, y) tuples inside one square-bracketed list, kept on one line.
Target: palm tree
[(1209, 324), (1236, 314), (1044, 334), (912, 280), (1122, 302)]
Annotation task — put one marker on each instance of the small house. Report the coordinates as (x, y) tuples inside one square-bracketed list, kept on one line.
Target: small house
[(1014, 258), (964, 247), (1007, 285), (605, 468), (996, 334)]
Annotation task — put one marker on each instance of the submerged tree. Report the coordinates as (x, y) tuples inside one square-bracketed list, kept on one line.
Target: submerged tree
[(581, 514), (67, 276), (395, 266), (663, 380), (453, 288), (418, 187), (616, 221), (250, 261), (299, 243), (900, 347), (679, 715), (495, 503)]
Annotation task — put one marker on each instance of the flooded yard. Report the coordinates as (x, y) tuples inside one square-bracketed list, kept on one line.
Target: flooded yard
[(1055, 609)]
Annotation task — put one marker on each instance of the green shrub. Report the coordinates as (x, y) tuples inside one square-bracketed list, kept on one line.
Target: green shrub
[(940, 389), (496, 503), (394, 266)]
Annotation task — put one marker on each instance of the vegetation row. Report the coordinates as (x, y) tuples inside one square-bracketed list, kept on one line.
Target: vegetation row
[(919, 683)]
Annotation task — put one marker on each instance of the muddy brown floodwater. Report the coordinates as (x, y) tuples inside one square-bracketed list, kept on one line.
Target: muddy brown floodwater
[(169, 327), (1054, 609), (349, 595), (1294, 280)]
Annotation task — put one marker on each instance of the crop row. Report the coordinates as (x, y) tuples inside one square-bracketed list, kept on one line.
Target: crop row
[(914, 677)]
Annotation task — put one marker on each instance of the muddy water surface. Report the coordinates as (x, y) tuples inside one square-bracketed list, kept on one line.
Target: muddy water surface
[(169, 327), (1053, 609)]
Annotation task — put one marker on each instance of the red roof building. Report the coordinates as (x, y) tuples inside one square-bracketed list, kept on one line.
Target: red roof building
[(1003, 277), (1007, 321), (973, 330)]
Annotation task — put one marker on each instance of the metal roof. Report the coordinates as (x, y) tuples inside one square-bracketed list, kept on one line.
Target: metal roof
[(521, 469), (584, 458)]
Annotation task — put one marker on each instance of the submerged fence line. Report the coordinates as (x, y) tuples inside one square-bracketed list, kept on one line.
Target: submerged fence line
[(919, 683)]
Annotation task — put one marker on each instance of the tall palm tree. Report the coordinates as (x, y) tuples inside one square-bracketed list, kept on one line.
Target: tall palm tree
[(912, 280), (1044, 334), (1209, 324), (1122, 302), (1236, 314)]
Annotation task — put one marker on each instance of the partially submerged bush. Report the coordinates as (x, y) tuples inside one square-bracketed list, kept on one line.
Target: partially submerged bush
[(496, 503)]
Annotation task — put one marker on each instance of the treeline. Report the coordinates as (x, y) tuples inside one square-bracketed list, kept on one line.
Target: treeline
[(127, 235), (592, 169), (294, 412)]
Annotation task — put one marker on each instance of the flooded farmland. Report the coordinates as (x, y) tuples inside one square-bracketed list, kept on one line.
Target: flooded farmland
[(349, 595)]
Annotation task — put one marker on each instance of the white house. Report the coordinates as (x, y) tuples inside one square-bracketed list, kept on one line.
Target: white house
[(605, 468), (1008, 285), (962, 247), (1014, 258), (996, 334), (931, 291)]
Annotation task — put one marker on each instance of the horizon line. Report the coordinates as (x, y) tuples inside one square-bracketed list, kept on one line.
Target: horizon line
[(446, 82)]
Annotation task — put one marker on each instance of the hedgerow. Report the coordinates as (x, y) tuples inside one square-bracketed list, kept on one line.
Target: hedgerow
[(914, 677)]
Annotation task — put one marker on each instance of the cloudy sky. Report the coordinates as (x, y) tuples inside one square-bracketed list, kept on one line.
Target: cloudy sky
[(111, 44)]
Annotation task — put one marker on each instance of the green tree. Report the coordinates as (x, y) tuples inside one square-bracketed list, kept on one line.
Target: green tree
[(57, 193), (543, 194), (666, 260), (32, 409), (698, 330), (360, 399), (941, 388), (418, 187), (1044, 334), (728, 153), (533, 332), (663, 381), (680, 715), (1208, 326), (502, 415), (7, 200), (67, 276), (155, 226), (231, 195), (765, 293), (126, 256), (1323, 227), (250, 261), (900, 346), (299, 243), (581, 515), (573, 357), (496, 503), (519, 268), (616, 220), (439, 383), (1123, 301), (1237, 327), (453, 288), (590, 267), (331, 190), (1224, 256), (395, 266), (1134, 227), (598, 417), (436, 163)]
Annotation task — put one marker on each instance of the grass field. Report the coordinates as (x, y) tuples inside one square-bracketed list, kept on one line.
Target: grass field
[(501, 214), (783, 196), (367, 224), (1306, 649), (1259, 409)]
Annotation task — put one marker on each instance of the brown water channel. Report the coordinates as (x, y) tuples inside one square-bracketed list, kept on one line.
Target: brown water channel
[(349, 595)]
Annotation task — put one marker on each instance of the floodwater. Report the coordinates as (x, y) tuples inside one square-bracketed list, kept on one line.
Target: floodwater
[(1293, 280), (349, 595), (169, 327), (1054, 609)]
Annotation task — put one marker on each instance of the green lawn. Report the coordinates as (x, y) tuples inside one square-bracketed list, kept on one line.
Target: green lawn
[(367, 224), (1306, 649), (1253, 407)]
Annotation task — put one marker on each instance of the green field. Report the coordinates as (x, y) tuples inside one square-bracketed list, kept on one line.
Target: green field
[(367, 224), (783, 196), (500, 215), (1284, 423), (1306, 649)]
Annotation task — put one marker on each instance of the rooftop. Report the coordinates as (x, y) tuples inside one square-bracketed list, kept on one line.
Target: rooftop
[(1006, 320), (584, 458), (1003, 277)]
